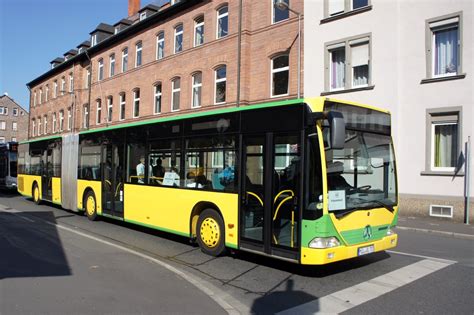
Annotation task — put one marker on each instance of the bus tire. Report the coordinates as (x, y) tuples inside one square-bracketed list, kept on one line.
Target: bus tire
[(90, 206), (210, 233), (35, 193)]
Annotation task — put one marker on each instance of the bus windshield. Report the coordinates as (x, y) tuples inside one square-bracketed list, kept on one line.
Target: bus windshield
[(362, 175)]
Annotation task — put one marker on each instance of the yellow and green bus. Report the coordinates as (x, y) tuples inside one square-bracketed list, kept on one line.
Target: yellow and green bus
[(311, 181)]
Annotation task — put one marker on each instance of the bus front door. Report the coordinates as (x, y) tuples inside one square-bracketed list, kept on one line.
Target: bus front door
[(112, 180), (270, 191)]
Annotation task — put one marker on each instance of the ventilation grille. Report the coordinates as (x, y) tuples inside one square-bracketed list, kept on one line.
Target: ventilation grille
[(441, 211)]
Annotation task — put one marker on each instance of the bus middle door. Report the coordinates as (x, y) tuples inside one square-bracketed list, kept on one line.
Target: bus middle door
[(47, 175), (112, 180)]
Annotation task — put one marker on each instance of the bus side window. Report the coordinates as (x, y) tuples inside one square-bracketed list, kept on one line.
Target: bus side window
[(136, 164)]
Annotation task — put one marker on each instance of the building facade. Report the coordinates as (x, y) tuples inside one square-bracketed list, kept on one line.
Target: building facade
[(13, 120), (415, 58), (185, 57)]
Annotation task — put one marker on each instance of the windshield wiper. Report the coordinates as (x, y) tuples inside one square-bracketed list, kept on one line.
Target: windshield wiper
[(383, 204)]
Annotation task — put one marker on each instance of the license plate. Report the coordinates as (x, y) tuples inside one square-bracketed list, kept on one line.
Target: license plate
[(365, 250)]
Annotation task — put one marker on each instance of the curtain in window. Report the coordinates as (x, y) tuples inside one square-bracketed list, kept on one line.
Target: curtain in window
[(360, 65), (338, 68), (446, 51), (445, 143)]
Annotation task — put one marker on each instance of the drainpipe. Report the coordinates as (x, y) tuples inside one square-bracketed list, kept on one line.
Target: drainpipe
[(89, 87), (239, 53), (73, 105), (467, 179), (29, 116)]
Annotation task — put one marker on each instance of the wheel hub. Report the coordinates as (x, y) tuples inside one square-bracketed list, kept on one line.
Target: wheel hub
[(90, 205), (210, 233)]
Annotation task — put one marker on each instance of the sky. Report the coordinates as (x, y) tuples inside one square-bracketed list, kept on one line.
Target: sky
[(34, 32)]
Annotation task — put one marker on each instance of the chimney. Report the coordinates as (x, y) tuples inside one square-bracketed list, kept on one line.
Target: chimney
[(133, 7)]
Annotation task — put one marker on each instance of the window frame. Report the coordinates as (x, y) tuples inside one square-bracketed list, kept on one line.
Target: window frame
[(112, 65), (63, 85), (55, 91), (69, 119), (45, 124), (221, 16), (100, 69), (124, 59), (347, 43), (160, 40), (86, 116), (71, 83), (110, 105), (54, 122), (348, 10), (40, 96), (216, 81), (173, 91), (156, 94), (273, 71), (274, 10), (122, 104), (196, 26), (433, 25), (136, 101), (442, 116), (98, 111), (138, 53), (61, 120), (195, 85), (176, 34)]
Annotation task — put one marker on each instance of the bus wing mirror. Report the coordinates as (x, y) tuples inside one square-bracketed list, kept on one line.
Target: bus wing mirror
[(338, 129)]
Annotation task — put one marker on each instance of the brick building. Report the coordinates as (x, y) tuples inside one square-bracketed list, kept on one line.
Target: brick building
[(13, 120), (181, 57)]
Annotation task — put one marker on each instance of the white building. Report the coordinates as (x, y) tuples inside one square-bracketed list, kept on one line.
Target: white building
[(415, 58)]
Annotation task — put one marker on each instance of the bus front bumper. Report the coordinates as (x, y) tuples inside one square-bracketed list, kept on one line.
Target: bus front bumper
[(313, 256)]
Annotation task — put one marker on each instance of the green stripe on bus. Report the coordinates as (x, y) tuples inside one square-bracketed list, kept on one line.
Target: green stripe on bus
[(157, 228), (230, 245), (40, 139), (195, 115)]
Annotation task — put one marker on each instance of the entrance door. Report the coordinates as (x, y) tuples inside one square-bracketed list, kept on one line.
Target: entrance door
[(112, 180), (47, 176), (270, 214)]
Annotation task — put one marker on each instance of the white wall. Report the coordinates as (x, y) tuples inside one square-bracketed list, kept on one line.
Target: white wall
[(398, 65)]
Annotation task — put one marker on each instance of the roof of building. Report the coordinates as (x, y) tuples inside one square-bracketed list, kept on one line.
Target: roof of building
[(103, 27), (150, 7), (84, 44), (57, 60), (6, 98), (124, 22), (71, 52)]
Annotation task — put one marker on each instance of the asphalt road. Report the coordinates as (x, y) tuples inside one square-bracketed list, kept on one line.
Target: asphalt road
[(57, 262)]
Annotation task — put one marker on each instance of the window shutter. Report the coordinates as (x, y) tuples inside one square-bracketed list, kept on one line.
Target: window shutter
[(336, 6), (360, 55)]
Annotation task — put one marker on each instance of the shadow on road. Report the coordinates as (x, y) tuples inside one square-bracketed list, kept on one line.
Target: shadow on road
[(30, 247), (6, 193)]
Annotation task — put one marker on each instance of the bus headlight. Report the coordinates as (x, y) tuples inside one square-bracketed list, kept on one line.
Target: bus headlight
[(324, 242), (389, 232)]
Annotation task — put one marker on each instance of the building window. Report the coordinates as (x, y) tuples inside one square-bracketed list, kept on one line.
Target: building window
[(160, 46), (122, 106), (85, 122), (33, 127), (15, 125), (69, 119), (175, 94), (63, 85), (45, 124), (98, 111), (222, 22), (138, 54), (39, 126), (3, 125), (158, 98), (100, 70), (34, 98), (178, 38), (15, 111), (443, 139), (54, 122), (136, 103), (199, 31), (2, 139), (280, 75), (46, 94), (142, 16), (112, 65), (61, 120), (443, 46), (280, 15), (71, 83), (93, 40), (88, 77), (337, 7), (348, 64), (124, 59), (197, 90), (40, 96), (110, 105), (13, 139), (221, 82), (55, 89)]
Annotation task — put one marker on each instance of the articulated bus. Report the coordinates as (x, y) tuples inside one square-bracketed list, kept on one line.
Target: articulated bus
[(8, 165), (311, 181)]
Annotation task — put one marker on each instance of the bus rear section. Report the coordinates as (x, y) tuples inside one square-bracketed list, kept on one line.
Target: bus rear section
[(358, 207), (8, 165)]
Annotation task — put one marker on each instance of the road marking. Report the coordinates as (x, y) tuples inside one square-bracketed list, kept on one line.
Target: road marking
[(227, 302), (437, 232), (447, 261), (348, 298)]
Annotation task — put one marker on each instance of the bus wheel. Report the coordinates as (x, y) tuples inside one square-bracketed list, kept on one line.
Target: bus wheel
[(210, 233), (90, 206), (36, 194)]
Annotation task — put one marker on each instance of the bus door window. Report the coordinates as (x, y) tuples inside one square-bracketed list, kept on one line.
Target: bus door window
[(253, 189), (286, 182)]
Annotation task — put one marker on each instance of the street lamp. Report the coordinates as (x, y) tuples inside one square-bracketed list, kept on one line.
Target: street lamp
[(283, 5)]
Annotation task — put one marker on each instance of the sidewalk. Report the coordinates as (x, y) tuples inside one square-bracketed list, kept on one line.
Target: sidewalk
[(436, 226)]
